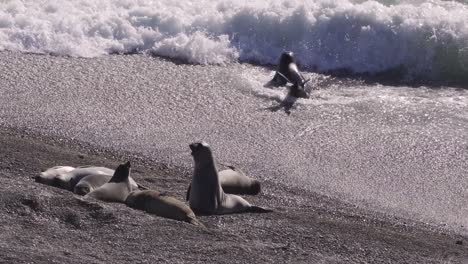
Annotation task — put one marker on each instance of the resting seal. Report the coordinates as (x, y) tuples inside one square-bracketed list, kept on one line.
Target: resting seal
[(90, 183), (57, 176), (234, 181), (118, 187), (154, 202), (67, 177), (81, 172), (206, 195), (288, 72)]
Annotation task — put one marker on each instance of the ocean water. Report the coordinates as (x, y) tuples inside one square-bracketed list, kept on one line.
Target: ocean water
[(423, 39), (397, 144)]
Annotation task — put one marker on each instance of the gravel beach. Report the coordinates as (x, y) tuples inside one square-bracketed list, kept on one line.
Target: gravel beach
[(44, 224)]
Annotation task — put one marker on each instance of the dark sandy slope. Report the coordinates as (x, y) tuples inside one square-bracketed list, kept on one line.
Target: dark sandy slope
[(42, 224)]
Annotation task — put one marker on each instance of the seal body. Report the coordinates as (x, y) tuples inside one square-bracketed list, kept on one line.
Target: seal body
[(235, 181), (154, 202), (118, 187), (67, 177), (206, 194), (81, 172), (57, 176), (91, 182), (288, 72)]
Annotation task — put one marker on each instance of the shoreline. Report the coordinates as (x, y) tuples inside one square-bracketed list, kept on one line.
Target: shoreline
[(45, 224)]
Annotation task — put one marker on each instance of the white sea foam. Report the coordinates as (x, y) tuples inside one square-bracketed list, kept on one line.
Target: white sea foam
[(426, 38)]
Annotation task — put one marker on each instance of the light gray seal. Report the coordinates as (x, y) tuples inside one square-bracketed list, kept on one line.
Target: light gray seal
[(118, 187), (67, 177), (235, 181), (288, 72), (206, 194), (157, 203), (81, 172), (57, 176), (91, 182)]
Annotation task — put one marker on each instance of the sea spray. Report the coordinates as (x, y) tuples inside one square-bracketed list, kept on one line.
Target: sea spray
[(424, 39)]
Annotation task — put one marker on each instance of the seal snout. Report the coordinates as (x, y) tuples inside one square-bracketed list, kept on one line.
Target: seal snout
[(255, 188), (194, 146), (82, 190), (197, 146)]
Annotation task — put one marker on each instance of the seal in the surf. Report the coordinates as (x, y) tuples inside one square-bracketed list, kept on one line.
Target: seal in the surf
[(118, 187), (234, 181), (157, 203), (288, 72), (206, 194)]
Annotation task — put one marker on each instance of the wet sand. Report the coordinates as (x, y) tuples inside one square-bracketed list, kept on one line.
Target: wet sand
[(43, 224)]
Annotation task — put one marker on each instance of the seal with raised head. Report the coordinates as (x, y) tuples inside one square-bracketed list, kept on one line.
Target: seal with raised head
[(288, 72), (57, 176), (206, 194), (234, 181), (118, 187), (157, 203)]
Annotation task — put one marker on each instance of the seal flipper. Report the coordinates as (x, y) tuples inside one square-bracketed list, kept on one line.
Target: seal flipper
[(141, 187), (187, 196), (194, 221), (258, 209), (227, 165), (279, 79)]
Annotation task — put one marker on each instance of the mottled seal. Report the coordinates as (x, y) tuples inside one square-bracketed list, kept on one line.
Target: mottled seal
[(154, 202), (118, 187), (288, 72), (57, 176), (206, 194), (235, 181)]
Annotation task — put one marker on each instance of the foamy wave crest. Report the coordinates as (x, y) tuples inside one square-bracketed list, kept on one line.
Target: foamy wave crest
[(197, 48), (427, 39)]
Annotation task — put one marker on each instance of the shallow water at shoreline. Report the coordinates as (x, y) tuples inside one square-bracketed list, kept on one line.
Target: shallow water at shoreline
[(397, 149)]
